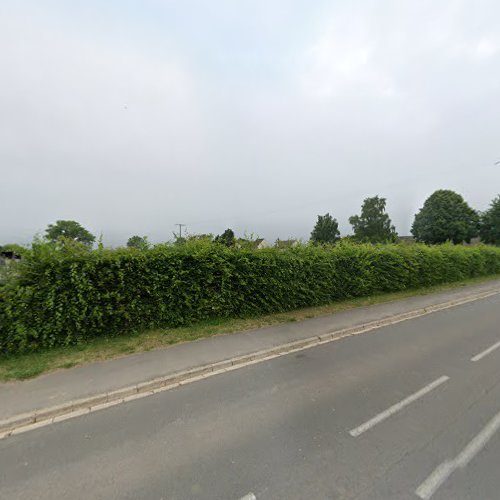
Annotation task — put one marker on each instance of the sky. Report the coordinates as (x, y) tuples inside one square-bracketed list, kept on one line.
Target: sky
[(133, 116)]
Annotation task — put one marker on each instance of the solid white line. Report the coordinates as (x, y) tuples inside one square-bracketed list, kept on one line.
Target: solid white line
[(481, 355), (250, 496), (443, 471), (397, 407)]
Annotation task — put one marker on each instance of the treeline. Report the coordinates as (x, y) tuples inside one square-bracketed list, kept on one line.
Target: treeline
[(445, 216)]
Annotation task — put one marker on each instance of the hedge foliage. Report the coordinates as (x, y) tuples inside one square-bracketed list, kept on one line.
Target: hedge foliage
[(60, 298)]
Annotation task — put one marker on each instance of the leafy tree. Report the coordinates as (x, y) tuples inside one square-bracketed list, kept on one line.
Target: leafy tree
[(69, 230), (140, 242), (490, 223), (374, 224), (226, 238), (326, 230), (445, 216)]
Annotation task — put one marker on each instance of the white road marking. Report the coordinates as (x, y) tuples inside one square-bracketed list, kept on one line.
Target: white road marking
[(250, 496), (397, 407), (443, 471), (481, 355)]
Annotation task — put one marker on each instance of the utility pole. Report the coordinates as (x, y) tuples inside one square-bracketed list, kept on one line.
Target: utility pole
[(180, 229)]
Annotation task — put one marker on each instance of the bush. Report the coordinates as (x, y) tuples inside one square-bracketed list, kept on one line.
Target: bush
[(68, 296)]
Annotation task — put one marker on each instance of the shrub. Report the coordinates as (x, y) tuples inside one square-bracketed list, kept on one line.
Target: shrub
[(67, 296)]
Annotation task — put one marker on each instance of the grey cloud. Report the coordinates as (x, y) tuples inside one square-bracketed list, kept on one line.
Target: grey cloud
[(218, 129)]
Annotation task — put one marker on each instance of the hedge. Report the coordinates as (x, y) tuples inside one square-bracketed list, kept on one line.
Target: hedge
[(61, 298)]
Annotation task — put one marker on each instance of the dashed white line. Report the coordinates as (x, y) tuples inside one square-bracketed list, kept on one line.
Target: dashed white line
[(250, 496), (397, 407), (481, 355), (443, 471)]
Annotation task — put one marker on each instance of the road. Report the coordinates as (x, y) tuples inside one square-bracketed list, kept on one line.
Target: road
[(405, 412)]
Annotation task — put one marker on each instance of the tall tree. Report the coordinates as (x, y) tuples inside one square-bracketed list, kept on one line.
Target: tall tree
[(326, 230), (445, 216), (226, 238), (374, 224), (69, 230), (490, 223), (140, 242)]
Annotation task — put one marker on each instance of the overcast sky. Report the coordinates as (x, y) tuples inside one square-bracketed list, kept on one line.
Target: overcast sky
[(131, 116)]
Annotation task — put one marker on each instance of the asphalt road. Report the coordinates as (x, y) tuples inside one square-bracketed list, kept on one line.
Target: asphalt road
[(405, 412)]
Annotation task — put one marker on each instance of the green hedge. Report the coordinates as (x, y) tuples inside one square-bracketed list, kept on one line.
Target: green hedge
[(60, 298)]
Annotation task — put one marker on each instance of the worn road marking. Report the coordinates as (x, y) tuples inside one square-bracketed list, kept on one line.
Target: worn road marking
[(442, 472), (250, 496), (397, 407), (481, 355)]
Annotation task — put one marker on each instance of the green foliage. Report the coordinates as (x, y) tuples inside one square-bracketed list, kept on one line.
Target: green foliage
[(63, 296), (208, 238), (290, 243), (490, 223), (18, 250), (374, 224), (8, 266), (67, 230), (326, 230), (200, 238), (227, 238), (139, 242), (445, 216)]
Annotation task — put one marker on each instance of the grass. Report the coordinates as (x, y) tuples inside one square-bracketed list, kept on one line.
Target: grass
[(23, 366)]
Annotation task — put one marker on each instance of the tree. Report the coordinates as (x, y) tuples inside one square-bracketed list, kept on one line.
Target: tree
[(490, 223), (445, 216), (374, 224), (69, 230), (326, 230), (226, 238), (139, 242)]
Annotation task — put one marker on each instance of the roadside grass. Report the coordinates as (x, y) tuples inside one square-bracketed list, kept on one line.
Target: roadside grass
[(29, 365)]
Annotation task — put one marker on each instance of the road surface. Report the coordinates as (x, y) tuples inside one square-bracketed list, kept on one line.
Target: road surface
[(405, 412)]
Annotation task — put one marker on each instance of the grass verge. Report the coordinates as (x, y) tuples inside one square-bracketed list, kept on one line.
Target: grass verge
[(23, 366)]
